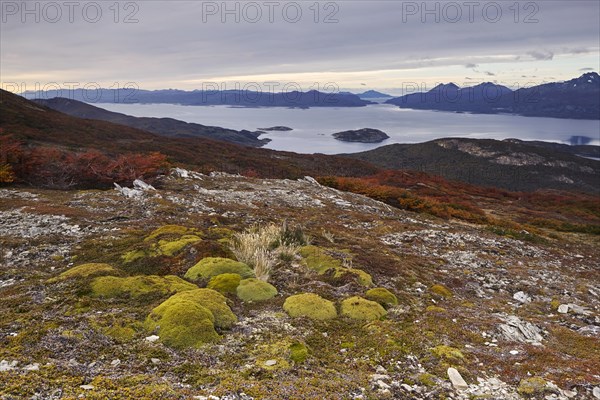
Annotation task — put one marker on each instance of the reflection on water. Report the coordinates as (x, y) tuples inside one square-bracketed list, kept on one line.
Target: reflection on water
[(313, 127)]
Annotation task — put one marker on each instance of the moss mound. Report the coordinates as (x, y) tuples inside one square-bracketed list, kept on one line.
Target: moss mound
[(213, 266), (182, 324), (362, 309), (170, 248), (441, 290), (253, 289), (169, 230), (447, 353), (87, 271), (316, 259), (309, 305), (210, 299), (382, 296), (361, 276), (298, 352), (532, 386), (135, 286), (224, 283)]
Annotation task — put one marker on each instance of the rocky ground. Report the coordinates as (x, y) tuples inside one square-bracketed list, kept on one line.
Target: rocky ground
[(479, 316)]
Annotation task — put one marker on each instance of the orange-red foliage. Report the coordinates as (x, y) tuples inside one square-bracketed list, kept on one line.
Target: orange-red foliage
[(55, 168)]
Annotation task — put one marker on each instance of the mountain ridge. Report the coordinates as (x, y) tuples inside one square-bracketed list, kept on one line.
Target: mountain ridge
[(578, 98)]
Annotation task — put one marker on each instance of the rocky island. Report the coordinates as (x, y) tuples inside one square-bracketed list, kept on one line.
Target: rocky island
[(365, 135), (276, 129)]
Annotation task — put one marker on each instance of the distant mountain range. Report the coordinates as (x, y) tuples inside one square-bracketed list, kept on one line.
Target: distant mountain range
[(373, 94), (161, 126), (578, 98), (240, 98)]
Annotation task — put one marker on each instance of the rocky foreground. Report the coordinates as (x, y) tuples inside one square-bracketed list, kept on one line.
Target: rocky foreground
[(409, 306)]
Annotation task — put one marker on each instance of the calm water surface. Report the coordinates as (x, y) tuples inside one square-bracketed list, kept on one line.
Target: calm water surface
[(313, 127)]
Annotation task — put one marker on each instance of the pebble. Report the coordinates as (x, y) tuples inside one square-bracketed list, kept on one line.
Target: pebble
[(522, 297), (596, 392), (563, 308), (514, 352), (155, 360), (457, 380), (32, 367), (7, 366), (152, 338), (270, 363), (87, 387), (115, 362)]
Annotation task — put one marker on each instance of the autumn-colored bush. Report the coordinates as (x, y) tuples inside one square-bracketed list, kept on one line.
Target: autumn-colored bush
[(52, 167), (449, 206)]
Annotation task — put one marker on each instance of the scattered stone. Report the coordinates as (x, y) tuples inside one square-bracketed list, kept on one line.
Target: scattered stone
[(115, 362), (514, 352), (457, 380), (270, 363), (155, 360), (152, 338), (563, 308), (32, 367), (7, 366), (516, 330), (87, 387), (522, 297), (596, 392)]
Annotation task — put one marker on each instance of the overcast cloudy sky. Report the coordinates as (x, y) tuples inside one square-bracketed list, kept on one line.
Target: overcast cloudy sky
[(355, 44)]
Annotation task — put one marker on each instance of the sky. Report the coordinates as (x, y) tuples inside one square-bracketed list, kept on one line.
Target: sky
[(282, 45)]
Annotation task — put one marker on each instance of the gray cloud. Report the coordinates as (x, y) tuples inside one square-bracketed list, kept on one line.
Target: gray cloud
[(586, 69), (541, 55), (488, 73), (172, 45)]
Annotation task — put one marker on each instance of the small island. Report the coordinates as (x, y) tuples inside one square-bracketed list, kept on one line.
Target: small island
[(365, 135), (276, 128)]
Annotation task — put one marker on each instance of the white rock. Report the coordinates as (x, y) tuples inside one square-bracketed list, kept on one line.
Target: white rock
[(522, 297), (139, 184), (270, 363), (382, 385), (457, 381), (7, 366), (516, 330), (87, 387), (563, 308), (596, 392), (514, 352), (32, 367), (155, 360), (152, 338), (115, 362)]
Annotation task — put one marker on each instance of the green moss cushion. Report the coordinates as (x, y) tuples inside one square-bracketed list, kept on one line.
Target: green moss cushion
[(182, 324), (309, 305), (210, 299), (382, 296), (362, 309), (253, 289), (87, 271), (224, 283), (135, 286), (213, 266)]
